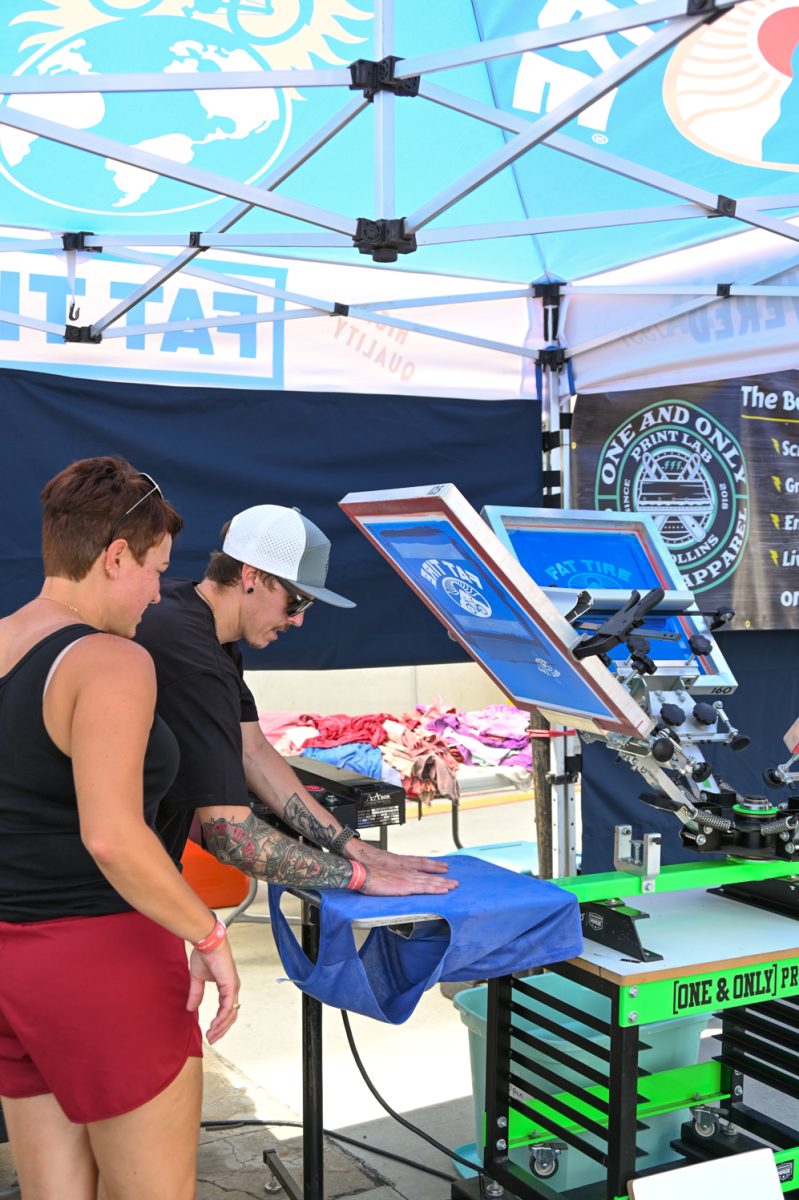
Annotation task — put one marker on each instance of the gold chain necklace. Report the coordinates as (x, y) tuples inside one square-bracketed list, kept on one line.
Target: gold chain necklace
[(207, 602), (64, 604)]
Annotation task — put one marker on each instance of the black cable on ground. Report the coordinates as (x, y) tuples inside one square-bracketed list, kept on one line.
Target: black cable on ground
[(331, 1133), (474, 1167)]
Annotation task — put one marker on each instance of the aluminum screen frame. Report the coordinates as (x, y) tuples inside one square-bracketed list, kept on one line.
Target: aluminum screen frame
[(459, 568)]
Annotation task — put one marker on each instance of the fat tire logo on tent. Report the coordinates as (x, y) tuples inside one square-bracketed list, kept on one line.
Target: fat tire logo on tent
[(683, 467), (742, 64)]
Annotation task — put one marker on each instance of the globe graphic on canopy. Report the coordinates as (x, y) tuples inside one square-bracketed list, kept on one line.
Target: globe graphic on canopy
[(235, 133)]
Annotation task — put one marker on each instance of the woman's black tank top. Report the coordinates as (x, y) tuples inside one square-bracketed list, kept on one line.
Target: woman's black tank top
[(45, 871)]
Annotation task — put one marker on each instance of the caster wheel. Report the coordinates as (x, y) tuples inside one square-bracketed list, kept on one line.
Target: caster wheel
[(705, 1125), (545, 1164)]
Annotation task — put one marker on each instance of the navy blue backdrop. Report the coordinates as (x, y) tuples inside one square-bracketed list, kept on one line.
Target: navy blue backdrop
[(218, 451)]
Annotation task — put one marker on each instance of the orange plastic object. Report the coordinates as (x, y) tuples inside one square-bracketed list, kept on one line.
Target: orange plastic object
[(218, 884)]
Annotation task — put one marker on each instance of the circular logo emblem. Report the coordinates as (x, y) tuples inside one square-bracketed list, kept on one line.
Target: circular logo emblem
[(683, 467), (729, 88), (466, 597), (236, 133)]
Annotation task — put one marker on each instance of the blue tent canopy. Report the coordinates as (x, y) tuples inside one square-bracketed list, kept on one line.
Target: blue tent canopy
[(149, 144)]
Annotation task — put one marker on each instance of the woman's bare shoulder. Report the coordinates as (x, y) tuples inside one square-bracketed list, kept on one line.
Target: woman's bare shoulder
[(109, 651)]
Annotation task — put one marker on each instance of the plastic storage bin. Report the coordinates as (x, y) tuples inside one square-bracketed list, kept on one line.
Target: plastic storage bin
[(218, 884), (673, 1044)]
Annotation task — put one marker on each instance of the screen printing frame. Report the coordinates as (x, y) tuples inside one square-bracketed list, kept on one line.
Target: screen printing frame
[(715, 677), (505, 521), (440, 512)]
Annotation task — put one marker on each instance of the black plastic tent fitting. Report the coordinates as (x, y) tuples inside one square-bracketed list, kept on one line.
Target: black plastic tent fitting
[(548, 292), (340, 310), (725, 206), (195, 240), (383, 239), (82, 333), (370, 77), (553, 357), (77, 241), (723, 290)]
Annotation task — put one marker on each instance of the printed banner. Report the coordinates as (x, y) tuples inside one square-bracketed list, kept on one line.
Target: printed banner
[(716, 466), (319, 352)]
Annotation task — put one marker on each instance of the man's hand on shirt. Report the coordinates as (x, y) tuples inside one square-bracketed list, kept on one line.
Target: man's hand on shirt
[(384, 860), (406, 883)]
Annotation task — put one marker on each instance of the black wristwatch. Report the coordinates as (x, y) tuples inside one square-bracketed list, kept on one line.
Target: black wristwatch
[(341, 839)]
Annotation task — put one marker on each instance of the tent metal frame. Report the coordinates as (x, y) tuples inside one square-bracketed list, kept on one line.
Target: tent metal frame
[(337, 231)]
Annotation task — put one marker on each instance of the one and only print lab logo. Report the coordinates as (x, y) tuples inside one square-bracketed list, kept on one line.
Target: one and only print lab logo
[(680, 465), (728, 87)]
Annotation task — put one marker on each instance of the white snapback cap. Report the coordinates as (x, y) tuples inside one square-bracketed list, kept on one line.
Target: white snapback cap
[(283, 542)]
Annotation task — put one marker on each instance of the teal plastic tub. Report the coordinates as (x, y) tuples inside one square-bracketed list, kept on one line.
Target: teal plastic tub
[(672, 1044)]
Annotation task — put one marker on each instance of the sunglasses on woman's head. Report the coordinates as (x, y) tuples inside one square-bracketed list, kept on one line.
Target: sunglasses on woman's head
[(154, 488)]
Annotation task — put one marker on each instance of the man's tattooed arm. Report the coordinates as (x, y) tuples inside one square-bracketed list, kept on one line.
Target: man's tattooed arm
[(297, 815), (272, 780), (259, 850)]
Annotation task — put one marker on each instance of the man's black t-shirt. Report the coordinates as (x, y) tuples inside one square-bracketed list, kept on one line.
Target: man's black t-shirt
[(203, 698)]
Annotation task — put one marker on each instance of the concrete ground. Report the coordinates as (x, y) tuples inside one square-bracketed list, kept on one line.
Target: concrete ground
[(421, 1068)]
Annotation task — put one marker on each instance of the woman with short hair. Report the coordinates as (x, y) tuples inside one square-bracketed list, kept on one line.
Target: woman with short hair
[(100, 1048)]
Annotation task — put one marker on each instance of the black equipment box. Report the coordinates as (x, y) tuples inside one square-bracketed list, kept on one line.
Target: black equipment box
[(355, 800)]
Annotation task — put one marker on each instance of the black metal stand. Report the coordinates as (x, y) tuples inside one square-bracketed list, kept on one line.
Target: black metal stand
[(313, 1187), (515, 1073), (588, 1095)]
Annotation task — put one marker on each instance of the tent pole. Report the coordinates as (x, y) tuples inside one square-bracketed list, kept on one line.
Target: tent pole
[(556, 759), (383, 101)]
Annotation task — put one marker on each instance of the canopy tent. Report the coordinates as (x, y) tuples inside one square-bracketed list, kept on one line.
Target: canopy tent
[(593, 196), (234, 160)]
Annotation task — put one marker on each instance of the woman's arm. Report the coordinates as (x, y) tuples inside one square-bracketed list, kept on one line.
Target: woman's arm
[(101, 702)]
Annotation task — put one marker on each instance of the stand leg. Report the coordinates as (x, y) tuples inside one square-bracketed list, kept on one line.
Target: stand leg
[(312, 1135)]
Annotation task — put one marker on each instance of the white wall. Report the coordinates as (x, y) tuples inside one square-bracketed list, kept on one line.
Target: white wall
[(381, 689)]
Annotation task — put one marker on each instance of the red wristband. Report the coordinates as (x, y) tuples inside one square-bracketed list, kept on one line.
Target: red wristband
[(212, 939), (358, 876)]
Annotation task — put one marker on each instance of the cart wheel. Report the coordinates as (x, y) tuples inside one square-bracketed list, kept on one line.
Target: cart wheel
[(544, 1162), (706, 1124)]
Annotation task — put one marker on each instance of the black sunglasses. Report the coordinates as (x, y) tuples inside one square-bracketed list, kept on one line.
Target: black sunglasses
[(297, 602), (154, 488)]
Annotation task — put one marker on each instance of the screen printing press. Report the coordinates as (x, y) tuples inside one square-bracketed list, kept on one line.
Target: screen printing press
[(593, 1091)]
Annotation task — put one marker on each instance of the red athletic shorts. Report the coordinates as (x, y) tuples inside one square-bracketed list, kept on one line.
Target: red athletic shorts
[(93, 1009)]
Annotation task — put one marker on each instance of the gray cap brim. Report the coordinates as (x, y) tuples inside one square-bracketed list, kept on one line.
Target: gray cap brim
[(325, 595)]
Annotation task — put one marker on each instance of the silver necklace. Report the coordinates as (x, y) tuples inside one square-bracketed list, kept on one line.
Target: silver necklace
[(207, 602), (64, 604)]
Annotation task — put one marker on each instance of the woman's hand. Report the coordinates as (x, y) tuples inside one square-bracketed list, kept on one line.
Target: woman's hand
[(216, 966)]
